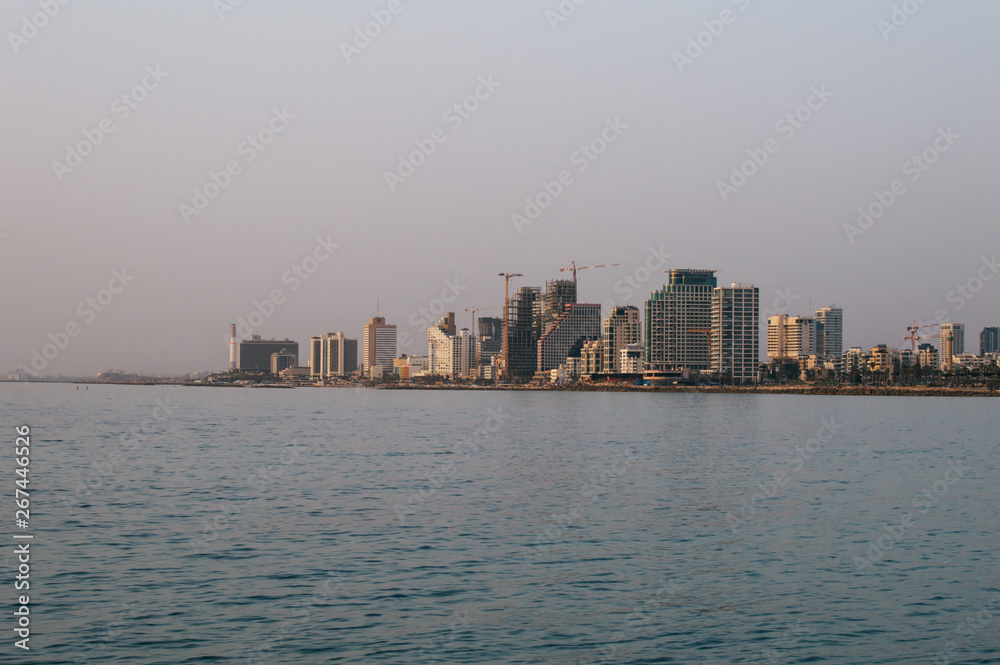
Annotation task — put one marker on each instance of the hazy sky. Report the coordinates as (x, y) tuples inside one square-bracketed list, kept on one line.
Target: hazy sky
[(199, 79)]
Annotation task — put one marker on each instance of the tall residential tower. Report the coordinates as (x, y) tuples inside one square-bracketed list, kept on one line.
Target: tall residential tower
[(735, 336), (678, 318)]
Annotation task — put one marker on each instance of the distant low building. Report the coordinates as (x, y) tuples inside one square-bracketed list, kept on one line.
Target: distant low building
[(282, 360), (630, 359), (927, 356), (295, 374), (255, 353), (410, 367)]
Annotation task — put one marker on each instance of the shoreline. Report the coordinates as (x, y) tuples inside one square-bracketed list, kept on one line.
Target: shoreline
[(794, 389)]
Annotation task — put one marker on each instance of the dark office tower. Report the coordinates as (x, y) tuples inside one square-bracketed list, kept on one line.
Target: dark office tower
[(558, 294), (988, 342), (490, 339), (679, 321), (525, 321), (255, 353)]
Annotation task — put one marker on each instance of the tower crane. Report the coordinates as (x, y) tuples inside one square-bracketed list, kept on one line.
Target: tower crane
[(475, 309), (505, 370), (573, 267), (913, 336)]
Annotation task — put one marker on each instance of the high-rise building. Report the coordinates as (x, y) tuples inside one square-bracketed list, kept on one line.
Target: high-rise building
[(490, 339), (452, 355), (439, 347), (829, 332), (952, 341), (989, 341), (379, 345), (790, 337), (677, 318), (735, 332), (333, 354), (558, 294), (463, 355), (255, 353), (525, 327), (577, 324), (621, 328)]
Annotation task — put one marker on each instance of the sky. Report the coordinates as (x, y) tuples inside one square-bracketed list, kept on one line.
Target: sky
[(170, 168)]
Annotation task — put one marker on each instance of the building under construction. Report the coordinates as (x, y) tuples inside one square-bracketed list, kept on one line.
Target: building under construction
[(558, 294), (524, 317), (490, 339)]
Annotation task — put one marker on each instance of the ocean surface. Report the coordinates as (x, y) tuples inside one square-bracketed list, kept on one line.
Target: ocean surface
[(208, 525)]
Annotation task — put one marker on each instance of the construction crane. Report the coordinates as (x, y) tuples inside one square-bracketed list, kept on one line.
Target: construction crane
[(473, 331), (475, 309), (505, 370), (914, 337), (573, 267)]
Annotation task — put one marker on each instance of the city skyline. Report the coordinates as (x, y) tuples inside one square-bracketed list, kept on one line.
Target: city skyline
[(157, 190)]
